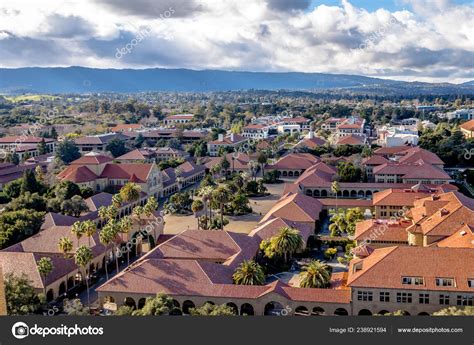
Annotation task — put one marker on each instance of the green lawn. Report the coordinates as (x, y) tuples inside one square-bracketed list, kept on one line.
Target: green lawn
[(21, 98)]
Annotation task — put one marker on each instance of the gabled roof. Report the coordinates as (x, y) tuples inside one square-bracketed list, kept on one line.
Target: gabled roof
[(418, 170), (77, 174), (352, 139), (398, 197), (126, 170), (295, 161), (92, 159), (463, 238), (137, 154), (468, 126), (271, 228), (320, 174), (375, 160), (311, 143), (381, 230), (296, 208)]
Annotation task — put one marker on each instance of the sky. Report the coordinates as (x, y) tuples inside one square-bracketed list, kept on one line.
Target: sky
[(423, 40)]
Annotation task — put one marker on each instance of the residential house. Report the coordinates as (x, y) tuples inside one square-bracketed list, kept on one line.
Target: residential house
[(232, 140), (467, 129)]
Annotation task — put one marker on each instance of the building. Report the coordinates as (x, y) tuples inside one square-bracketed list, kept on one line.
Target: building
[(311, 142), (467, 129), (152, 154), (293, 164), (181, 177), (25, 146), (395, 202), (98, 143), (462, 114), (10, 172), (302, 123), (173, 120), (397, 136), (331, 124), (352, 139), (350, 126), (256, 131), (126, 127), (378, 233), (416, 280), (232, 141), (98, 173), (152, 136), (410, 173)]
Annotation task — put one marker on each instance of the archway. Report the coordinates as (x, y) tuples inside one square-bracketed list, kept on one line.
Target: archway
[(309, 193), (234, 307), (361, 194), (423, 313), (316, 193), (62, 288), (273, 308), (141, 303), (49, 295), (345, 193), (285, 173), (187, 305), (324, 193), (109, 299), (353, 194), (318, 311), (247, 309), (368, 194), (383, 312), (365, 312), (301, 311), (341, 312), (210, 302), (297, 173), (130, 302), (405, 313), (290, 173)]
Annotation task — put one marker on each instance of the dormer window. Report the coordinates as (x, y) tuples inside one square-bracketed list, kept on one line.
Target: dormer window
[(357, 267), (470, 283), (444, 281), (413, 281)]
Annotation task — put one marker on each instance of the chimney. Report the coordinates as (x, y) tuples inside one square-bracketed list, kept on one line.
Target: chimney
[(221, 137), (443, 212)]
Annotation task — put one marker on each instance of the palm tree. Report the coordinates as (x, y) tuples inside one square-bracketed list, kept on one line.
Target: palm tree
[(249, 273), (197, 206), (138, 212), (90, 228), (124, 226), (335, 188), (130, 192), (287, 242), (45, 266), (315, 275), (106, 238), (117, 200), (262, 160), (221, 196), (206, 194), (77, 229), (65, 246), (112, 228), (83, 257)]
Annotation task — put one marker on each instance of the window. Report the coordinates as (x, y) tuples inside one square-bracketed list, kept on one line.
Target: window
[(406, 280), (364, 295), (470, 282), (444, 282), (443, 299), (465, 300), (404, 297), (413, 281), (424, 298), (384, 296), (419, 281)]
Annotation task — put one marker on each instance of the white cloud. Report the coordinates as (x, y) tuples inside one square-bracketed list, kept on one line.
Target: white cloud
[(434, 41)]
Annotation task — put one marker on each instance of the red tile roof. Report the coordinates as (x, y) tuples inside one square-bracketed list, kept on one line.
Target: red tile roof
[(126, 170), (296, 208), (295, 161), (381, 230), (468, 126), (95, 159), (352, 139), (77, 174)]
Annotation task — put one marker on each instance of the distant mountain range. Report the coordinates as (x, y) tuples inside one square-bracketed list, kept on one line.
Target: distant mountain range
[(91, 80)]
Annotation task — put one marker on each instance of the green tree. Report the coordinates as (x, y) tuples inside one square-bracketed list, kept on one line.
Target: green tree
[(65, 246), (348, 172), (161, 304), (29, 183), (83, 257), (45, 267), (42, 149), (335, 188), (221, 196), (78, 230), (75, 307), (262, 159), (15, 226), (20, 294), (116, 147), (106, 237), (249, 273), (67, 151), (65, 190), (209, 309), (315, 274), (287, 242), (454, 311), (74, 206), (197, 206), (13, 188), (130, 192)]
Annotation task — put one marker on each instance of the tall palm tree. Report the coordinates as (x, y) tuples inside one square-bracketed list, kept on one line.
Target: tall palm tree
[(113, 230), (335, 188), (249, 273), (45, 266), (138, 212), (287, 242), (89, 228), (124, 226), (65, 246), (83, 257), (262, 160), (77, 230), (150, 207), (221, 196), (197, 206), (206, 194), (117, 200), (106, 238), (315, 275), (130, 192)]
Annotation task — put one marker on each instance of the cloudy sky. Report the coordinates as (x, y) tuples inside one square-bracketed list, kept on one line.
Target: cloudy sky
[(426, 40)]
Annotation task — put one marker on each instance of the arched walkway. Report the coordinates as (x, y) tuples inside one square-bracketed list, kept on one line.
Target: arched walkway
[(345, 193), (301, 311), (141, 303), (318, 311), (341, 312), (273, 308), (316, 193), (353, 194), (49, 295), (361, 194), (187, 305), (324, 193), (309, 193), (62, 289), (247, 309), (383, 312), (423, 313), (130, 302), (234, 307), (210, 302), (365, 312), (368, 194)]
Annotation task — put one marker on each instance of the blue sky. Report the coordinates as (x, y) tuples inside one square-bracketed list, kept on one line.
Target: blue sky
[(372, 5)]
